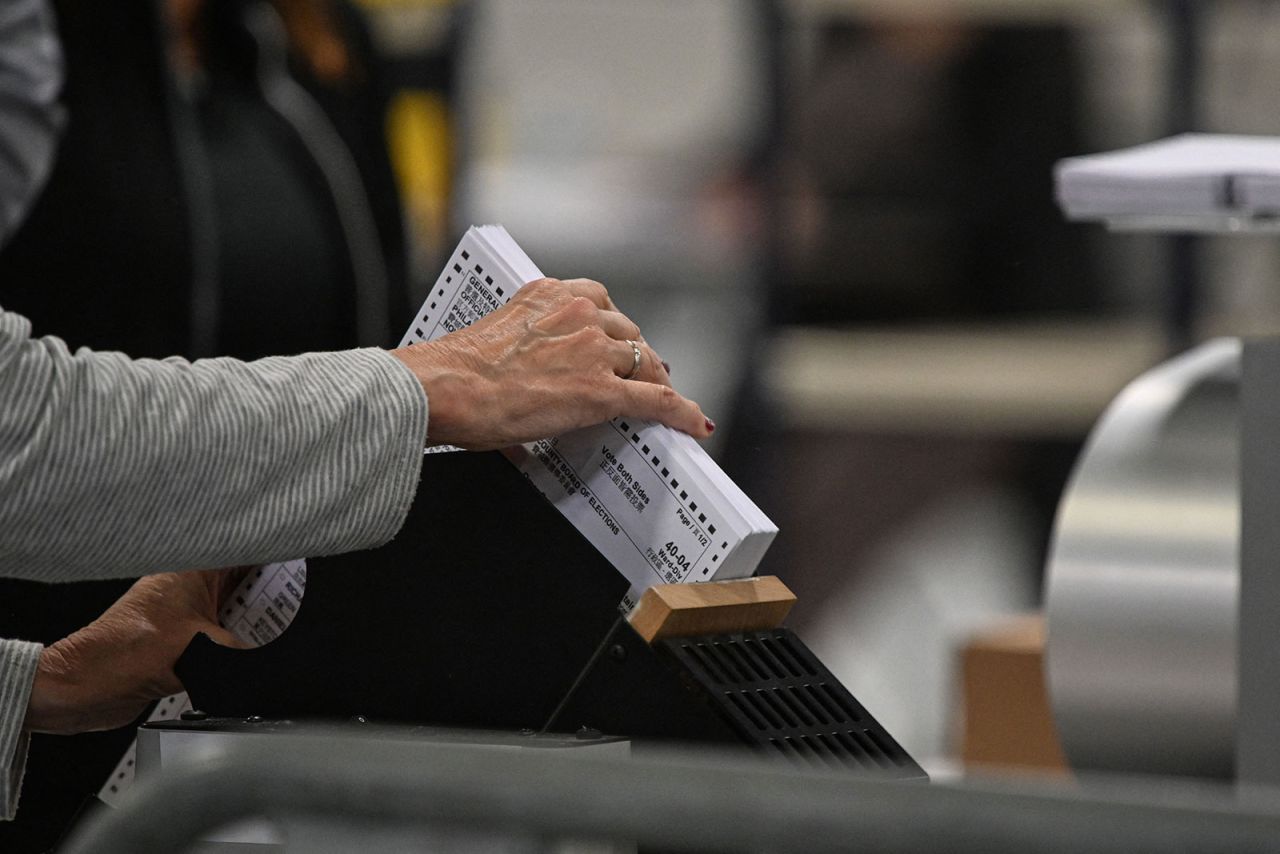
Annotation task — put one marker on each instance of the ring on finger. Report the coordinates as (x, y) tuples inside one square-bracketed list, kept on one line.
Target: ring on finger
[(635, 360)]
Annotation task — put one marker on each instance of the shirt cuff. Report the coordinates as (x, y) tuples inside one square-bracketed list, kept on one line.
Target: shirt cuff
[(18, 662)]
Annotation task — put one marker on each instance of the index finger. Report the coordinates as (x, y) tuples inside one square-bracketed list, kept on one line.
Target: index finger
[(665, 405)]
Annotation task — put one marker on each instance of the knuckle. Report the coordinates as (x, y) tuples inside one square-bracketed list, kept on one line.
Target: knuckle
[(541, 288), (593, 290), (591, 336), (598, 288), (590, 345), (600, 338), (582, 308), (630, 329), (666, 398)]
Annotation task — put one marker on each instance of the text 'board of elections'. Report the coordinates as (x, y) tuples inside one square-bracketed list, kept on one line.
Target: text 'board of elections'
[(648, 497)]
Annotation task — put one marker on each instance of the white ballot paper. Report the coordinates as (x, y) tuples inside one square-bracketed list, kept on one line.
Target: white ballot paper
[(260, 609), (1189, 175), (648, 497)]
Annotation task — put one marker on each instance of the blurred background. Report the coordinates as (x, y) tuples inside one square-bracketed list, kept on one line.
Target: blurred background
[(834, 218)]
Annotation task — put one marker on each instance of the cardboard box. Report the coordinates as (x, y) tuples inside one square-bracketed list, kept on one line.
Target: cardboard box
[(1007, 721)]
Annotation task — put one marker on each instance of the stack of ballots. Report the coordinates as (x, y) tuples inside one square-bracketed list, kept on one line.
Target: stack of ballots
[(1191, 175), (648, 497)]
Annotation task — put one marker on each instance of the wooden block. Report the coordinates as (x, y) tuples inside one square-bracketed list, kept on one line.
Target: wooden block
[(712, 608), (1007, 720)]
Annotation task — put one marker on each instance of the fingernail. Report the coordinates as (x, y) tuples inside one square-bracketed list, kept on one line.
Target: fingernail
[(711, 425), (666, 367)]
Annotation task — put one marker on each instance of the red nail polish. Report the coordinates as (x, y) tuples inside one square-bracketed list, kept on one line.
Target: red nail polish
[(711, 425), (666, 367)]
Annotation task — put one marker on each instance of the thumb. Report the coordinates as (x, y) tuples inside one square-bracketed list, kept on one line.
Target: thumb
[(220, 636)]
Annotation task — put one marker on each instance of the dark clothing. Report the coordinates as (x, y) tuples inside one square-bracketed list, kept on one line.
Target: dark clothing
[(191, 220), (934, 181), (284, 281), (140, 195)]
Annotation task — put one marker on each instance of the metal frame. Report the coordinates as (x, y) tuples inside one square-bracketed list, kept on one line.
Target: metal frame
[(1257, 664), (689, 803)]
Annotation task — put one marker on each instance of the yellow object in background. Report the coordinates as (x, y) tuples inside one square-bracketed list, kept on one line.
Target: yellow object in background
[(418, 133)]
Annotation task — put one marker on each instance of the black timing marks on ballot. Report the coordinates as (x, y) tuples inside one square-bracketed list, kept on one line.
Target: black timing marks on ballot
[(482, 611)]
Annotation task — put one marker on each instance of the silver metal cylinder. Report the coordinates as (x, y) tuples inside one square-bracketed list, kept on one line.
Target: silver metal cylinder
[(1143, 576)]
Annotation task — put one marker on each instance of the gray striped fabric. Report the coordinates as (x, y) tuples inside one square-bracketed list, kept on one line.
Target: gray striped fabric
[(17, 671), (112, 467)]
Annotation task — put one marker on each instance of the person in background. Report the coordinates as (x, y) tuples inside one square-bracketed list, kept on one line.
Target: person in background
[(112, 467), (228, 160), (221, 187)]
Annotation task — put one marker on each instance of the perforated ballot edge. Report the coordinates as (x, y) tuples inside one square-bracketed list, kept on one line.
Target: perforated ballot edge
[(648, 497)]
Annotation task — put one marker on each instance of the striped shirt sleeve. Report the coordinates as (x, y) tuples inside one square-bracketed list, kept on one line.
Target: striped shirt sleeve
[(17, 673), (114, 467)]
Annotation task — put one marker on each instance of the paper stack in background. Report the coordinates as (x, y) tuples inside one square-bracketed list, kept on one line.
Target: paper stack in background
[(648, 497), (1192, 175)]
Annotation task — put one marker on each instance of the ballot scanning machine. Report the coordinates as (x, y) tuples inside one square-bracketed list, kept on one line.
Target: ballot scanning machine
[(515, 628)]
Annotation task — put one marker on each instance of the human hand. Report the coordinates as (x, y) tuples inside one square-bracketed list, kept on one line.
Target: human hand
[(551, 360), (103, 676)]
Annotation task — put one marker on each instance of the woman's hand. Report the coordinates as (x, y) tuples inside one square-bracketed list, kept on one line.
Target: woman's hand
[(557, 357), (103, 676)]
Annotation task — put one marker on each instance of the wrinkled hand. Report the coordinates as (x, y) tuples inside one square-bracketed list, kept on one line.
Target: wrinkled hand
[(103, 676), (551, 360)]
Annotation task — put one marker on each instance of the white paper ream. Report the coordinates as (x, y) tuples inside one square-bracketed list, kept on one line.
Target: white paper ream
[(648, 497), (1188, 175)]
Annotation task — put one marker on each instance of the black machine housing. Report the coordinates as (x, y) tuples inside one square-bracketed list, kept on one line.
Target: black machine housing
[(490, 610)]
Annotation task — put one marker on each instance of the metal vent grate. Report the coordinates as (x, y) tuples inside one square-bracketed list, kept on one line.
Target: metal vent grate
[(777, 695)]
